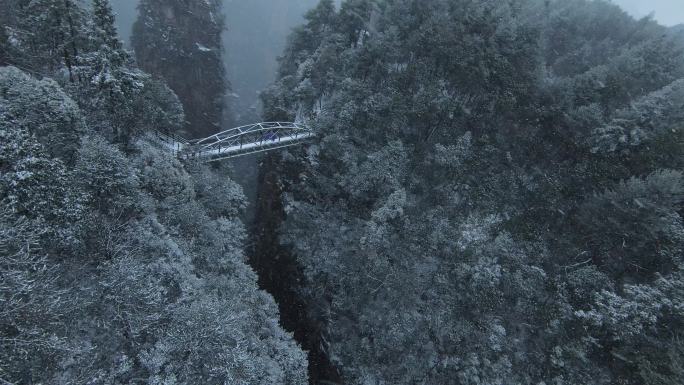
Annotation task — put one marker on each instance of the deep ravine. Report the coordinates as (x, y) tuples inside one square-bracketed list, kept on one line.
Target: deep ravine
[(280, 274)]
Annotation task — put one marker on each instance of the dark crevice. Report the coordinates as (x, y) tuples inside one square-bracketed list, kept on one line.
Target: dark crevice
[(281, 275)]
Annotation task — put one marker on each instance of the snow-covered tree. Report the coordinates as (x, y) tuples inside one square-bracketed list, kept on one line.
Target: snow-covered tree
[(42, 108), (482, 171), (103, 20), (49, 34), (38, 187), (33, 304), (117, 264)]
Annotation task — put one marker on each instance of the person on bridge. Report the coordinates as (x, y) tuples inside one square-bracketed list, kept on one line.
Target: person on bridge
[(270, 135)]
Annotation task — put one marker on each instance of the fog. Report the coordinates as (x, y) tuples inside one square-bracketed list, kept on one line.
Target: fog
[(126, 13), (667, 12), (256, 31), (255, 36)]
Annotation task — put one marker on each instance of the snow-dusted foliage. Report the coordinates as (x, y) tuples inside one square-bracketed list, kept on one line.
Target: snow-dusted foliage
[(118, 265), (495, 195), (43, 109)]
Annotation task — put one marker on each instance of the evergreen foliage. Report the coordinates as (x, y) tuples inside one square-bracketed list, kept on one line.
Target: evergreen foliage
[(48, 34), (495, 194), (103, 20), (42, 108), (118, 264), (33, 304), (494, 197)]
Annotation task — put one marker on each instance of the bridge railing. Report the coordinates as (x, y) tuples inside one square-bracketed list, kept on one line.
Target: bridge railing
[(237, 131), (247, 139), (237, 141), (168, 141)]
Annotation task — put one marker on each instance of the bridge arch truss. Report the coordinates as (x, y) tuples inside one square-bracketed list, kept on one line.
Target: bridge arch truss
[(244, 140)]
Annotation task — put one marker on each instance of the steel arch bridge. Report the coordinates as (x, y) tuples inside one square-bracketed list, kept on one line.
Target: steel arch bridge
[(239, 141)]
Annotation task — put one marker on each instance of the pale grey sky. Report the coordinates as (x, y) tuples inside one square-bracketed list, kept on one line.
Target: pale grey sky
[(667, 12)]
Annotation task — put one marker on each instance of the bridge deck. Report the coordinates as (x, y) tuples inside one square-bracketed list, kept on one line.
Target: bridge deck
[(233, 151), (239, 141)]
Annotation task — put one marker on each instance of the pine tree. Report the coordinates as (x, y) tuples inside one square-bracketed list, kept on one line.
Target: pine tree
[(51, 34), (103, 17), (105, 36)]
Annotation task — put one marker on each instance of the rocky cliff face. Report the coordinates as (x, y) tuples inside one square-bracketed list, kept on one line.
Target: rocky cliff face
[(180, 41)]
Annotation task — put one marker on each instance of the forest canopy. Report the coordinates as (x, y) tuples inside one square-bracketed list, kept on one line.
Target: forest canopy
[(117, 266), (493, 196)]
